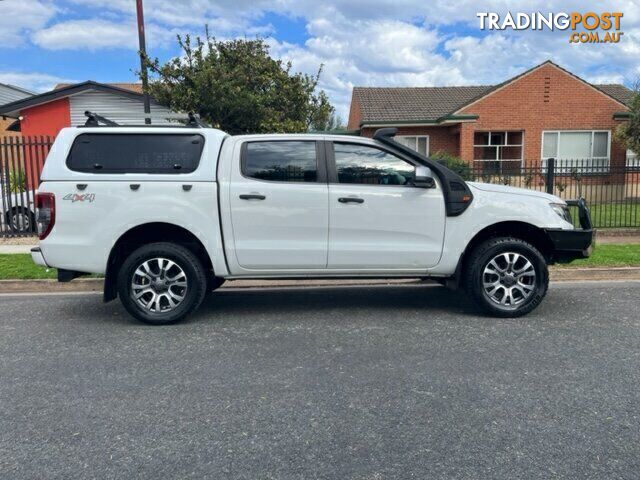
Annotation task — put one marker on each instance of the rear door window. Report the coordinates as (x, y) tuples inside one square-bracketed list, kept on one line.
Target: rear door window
[(103, 153), (281, 161)]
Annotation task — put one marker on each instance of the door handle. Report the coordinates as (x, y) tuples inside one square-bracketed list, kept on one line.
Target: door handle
[(351, 200), (252, 196)]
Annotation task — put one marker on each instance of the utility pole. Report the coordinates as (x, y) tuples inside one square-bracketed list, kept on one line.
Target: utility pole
[(143, 67)]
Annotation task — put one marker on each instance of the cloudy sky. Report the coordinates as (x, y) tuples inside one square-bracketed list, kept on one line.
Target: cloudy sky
[(367, 43)]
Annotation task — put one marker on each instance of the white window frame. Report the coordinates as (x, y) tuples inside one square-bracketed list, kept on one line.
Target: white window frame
[(499, 146), (586, 164), (404, 137), (632, 160)]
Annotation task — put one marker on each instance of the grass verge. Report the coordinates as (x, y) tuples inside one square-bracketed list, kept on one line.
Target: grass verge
[(21, 267), (612, 255)]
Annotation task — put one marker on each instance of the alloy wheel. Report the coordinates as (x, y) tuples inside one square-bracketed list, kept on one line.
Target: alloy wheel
[(159, 285), (509, 279)]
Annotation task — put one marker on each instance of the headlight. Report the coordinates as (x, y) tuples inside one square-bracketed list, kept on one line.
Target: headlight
[(563, 211)]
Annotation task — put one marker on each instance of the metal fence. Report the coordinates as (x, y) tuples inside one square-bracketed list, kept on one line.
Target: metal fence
[(612, 192), (21, 161)]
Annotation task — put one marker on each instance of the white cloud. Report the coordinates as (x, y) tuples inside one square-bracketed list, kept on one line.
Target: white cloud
[(99, 34), (36, 82), (19, 18), (369, 52)]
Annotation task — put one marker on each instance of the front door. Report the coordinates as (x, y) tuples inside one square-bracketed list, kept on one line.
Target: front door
[(378, 220), (279, 209)]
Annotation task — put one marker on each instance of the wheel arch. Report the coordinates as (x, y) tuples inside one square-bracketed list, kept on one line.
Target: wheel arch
[(143, 234), (536, 236)]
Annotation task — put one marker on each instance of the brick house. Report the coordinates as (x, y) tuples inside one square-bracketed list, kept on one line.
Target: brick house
[(544, 112)]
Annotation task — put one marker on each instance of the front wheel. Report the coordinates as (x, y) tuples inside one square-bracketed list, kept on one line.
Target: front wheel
[(507, 277), (161, 283)]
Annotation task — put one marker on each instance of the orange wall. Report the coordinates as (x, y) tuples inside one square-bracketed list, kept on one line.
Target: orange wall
[(47, 119)]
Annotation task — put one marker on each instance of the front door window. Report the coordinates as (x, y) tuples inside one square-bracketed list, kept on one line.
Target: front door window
[(366, 165)]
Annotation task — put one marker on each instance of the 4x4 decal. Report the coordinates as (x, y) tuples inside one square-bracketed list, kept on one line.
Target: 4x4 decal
[(76, 197)]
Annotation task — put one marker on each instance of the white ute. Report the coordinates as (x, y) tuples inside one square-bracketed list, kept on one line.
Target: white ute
[(167, 214)]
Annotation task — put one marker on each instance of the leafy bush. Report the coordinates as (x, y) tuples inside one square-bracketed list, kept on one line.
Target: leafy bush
[(454, 163), (17, 181)]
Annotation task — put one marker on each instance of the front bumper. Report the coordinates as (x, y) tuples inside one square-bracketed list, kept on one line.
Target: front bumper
[(569, 245)]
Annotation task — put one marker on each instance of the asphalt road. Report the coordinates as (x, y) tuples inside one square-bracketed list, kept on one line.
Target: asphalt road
[(340, 383)]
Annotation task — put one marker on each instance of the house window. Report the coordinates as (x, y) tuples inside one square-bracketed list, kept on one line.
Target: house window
[(419, 143), (587, 150), (632, 160), (498, 152)]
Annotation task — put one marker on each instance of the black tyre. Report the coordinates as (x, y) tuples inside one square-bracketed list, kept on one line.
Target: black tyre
[(506, 277), (161, 283), (21, 220)]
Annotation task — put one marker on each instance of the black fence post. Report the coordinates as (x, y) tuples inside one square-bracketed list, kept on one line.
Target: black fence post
[(551, 167)]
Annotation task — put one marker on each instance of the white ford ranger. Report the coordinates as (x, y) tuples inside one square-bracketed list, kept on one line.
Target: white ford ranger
[(168, 214)]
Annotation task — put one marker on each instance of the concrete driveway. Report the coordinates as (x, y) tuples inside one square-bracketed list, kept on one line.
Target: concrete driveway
[(337, 383)]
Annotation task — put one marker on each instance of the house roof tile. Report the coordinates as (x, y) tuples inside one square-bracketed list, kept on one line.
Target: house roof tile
[(617, 91), (413, 103), (429, 104)]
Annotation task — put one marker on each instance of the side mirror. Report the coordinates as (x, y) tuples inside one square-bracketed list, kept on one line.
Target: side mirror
[(424, 178)]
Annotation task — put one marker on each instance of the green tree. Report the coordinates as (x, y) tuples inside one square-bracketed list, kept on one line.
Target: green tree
[(629, 132), (237, 86)]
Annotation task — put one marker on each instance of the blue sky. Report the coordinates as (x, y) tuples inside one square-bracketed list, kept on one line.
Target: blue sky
[(373, 42)]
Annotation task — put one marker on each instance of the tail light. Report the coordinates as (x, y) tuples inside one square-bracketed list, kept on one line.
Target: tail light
[(45, 213)]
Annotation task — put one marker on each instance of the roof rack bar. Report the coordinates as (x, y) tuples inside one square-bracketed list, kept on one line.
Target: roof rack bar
[(93, 120), (195, 121)]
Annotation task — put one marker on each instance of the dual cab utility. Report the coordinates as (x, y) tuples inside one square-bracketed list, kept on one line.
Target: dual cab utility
[(169, 214)]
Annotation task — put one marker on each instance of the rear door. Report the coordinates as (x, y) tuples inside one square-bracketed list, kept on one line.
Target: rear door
[(378, 220), (279, 209)]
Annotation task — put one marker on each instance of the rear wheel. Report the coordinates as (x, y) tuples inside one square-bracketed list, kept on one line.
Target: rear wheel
[(507, 277), (161, 283)]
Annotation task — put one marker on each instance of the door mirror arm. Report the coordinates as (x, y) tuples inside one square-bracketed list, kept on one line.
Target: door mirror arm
[(423, 182), (423, 178)]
